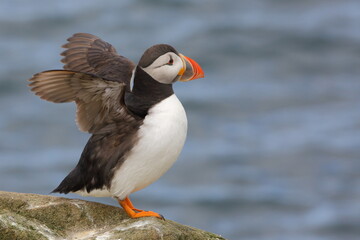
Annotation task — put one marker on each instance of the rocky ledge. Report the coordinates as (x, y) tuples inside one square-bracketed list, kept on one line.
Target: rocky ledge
[(32, 216)]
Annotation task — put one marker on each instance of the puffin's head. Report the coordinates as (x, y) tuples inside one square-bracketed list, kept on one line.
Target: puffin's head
[(164, 64)]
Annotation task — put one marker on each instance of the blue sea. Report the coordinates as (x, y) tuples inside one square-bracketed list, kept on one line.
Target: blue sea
[(273, 148)]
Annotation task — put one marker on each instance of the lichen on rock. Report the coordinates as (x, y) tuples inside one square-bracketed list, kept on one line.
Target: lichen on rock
[(26, 216)]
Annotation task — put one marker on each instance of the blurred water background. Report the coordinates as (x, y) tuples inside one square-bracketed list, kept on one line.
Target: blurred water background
[(273, 149)]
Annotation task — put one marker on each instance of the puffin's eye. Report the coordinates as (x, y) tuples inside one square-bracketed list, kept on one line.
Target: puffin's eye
[(171, 61)]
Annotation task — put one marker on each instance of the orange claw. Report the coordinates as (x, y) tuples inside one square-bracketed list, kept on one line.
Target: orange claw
[(137, 213)]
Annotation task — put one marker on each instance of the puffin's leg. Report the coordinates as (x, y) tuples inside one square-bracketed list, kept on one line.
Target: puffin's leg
[(130, 210), (129, 203)]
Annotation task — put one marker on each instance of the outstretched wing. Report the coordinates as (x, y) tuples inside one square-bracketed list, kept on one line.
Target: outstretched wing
[(99, 101), (88, 53)]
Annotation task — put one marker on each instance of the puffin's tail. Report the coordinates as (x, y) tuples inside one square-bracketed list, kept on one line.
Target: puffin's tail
[(71, 183)]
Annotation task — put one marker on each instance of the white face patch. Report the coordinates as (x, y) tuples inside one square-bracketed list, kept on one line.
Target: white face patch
[(132, 79), (165, 68)]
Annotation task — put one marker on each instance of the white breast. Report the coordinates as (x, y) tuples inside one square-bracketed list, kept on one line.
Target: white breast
[(161, 138)]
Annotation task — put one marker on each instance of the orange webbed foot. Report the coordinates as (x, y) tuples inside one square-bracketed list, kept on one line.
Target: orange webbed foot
[(137, 213)]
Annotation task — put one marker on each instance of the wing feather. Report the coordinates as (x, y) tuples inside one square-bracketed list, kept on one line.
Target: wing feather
[(99, 101), (88, 53)]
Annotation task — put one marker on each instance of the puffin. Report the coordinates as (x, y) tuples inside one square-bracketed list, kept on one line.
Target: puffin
[(137, 124)]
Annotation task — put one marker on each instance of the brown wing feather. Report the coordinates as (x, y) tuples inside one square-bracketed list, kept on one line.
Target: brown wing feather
[(88, 53), (99, 102)]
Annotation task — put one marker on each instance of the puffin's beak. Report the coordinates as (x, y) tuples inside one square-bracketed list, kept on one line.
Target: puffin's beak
[(191, 70)]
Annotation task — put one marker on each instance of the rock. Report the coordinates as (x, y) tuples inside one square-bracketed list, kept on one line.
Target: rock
[(32, 216)]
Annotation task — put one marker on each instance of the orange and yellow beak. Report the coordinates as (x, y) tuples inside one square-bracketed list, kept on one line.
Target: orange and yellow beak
[(191, 70)]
